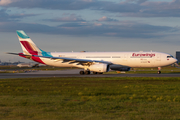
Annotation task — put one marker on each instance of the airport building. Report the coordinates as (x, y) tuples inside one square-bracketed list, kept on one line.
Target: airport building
[(178, 55)]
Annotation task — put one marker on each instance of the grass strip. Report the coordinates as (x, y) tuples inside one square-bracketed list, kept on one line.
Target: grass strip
[(118, 98)]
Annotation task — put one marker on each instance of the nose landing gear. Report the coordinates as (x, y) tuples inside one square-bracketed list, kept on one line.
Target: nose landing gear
[(159, 70)]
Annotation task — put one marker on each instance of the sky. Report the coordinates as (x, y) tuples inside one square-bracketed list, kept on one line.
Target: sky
[(90, 25)]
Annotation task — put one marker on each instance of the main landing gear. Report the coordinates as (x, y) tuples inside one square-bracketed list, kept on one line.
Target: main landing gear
[(97, 72), (159, 70), (89, 72), (84, 72)]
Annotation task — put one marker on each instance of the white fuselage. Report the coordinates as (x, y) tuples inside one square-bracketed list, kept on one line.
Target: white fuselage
[(130, 59)]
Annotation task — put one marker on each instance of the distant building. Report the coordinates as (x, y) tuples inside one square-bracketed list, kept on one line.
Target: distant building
[(9, 63), (178, 55), (30, 65)]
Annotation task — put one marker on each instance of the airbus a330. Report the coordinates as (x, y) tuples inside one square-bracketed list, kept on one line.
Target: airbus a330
[(95, 62)]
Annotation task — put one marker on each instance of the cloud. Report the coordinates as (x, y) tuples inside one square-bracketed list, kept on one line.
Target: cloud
[(6, 2), (71, 18), (72, 24), (106, 19), (54, 4), (130, 8), (5, 17), (126, 29), (149, 9), (122, 7), (134, 1), (159, 9), (29, 27)]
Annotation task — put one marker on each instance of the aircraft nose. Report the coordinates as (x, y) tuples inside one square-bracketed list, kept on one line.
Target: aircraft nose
[(175, 60)]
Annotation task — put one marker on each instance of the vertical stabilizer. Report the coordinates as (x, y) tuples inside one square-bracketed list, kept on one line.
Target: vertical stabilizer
[(27, 44)]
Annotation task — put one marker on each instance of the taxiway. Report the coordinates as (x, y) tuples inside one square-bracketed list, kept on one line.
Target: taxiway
[(75, 73)]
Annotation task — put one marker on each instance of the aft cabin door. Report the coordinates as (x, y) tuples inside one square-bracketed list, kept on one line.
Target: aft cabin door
[(125, 57)]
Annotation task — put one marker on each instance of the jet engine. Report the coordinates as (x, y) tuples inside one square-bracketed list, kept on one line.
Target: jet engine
[(99, 68), (119, 68)]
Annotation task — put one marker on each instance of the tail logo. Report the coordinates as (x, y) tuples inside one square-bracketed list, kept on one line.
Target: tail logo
[(29, 47)]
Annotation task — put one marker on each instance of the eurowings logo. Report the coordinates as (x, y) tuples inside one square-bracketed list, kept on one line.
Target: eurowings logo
[(143, 55)]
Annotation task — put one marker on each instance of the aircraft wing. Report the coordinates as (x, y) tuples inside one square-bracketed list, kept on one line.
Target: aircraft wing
[(70, 60), (74, 60)]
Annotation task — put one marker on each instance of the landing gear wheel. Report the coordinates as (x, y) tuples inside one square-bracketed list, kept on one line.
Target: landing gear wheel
[(81, 72), (94, 72), (159, 72), (100, 72), (87, 72)]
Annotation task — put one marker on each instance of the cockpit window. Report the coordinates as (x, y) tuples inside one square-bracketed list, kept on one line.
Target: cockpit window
[(170, 57)]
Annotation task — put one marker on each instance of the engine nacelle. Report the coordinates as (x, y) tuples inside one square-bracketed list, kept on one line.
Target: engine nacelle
[(99, 68), (119, 68)]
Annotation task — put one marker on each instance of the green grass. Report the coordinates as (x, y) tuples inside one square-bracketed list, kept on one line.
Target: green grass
[(122, 98)]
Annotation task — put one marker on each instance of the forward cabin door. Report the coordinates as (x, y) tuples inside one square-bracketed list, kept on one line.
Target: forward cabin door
[(157, 59)]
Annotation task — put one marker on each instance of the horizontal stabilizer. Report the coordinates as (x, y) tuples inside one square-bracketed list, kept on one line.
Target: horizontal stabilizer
[(21, 54)]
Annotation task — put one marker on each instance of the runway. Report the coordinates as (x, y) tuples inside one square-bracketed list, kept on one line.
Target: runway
[(75, 73)]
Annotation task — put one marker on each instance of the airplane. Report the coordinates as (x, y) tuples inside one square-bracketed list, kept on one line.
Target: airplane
[(95, 62), (33, 65)]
